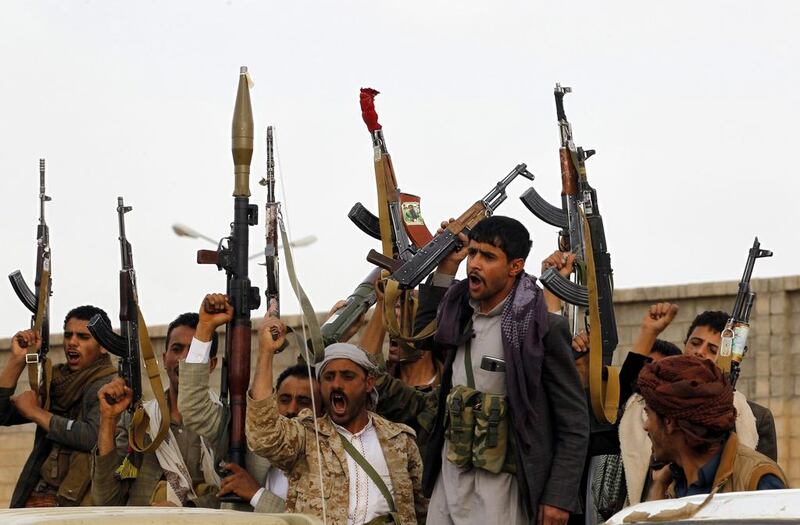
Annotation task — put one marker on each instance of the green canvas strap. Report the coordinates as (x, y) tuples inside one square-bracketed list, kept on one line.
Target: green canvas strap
[(373, 475), (317, 346), (468, 357)]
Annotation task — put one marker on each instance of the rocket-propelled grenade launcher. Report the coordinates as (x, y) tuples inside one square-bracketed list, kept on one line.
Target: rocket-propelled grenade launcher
[(232, 256), (37, 301), (734, 336)]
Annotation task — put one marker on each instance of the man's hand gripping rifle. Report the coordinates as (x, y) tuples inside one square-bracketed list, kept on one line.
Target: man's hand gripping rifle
[(592, 285), (407, 275), (37, 301), (734, 336), (131, 345)]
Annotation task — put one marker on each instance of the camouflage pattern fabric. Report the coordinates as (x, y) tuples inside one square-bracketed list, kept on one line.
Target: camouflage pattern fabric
[(461, 402), (290, 445), (489, 446)]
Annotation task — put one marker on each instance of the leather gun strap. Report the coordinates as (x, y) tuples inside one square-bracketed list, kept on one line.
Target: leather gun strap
[(383, 174), (391, 293), (370, 470), (604, 393), (35, 373), (140, 422), (317, 345)]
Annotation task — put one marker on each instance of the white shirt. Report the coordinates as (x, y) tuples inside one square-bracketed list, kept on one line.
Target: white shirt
[(366, 500), (277, 483), (199, 352)]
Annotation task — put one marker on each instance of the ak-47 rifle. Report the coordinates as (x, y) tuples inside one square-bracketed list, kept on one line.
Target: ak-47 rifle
[(592, 284), (271, 257), (399, 225), (37, 301), (734, 336), (407, 275), (131, 345), (233, 258)]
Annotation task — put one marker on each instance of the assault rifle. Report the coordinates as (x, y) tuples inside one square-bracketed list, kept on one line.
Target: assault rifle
[(410, 273), (592, 284), (232, 256), (129, 347), (37, 301), (406, 275), (734, 336), (361, 300), (399, 225)]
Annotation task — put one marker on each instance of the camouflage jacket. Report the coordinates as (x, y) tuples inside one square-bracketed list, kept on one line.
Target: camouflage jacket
[(289, 444)]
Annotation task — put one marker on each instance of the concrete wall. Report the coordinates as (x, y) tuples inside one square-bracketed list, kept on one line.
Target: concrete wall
[(770, 372)]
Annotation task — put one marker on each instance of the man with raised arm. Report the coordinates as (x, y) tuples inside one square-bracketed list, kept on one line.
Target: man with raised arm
[(57, 472), (350, 466), (509, 423), (181, 471), (265, 487)]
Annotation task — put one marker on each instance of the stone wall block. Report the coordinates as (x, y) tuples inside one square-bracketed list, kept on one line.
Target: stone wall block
[(776, 406), (762, 306), (777, 303), (777, 324), (776, 384), (762, 387)]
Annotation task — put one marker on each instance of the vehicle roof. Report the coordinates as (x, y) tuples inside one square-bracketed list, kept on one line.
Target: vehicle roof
[(766, 506)]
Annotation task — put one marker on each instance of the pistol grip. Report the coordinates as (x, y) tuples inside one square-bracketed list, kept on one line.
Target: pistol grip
[(208, 257)]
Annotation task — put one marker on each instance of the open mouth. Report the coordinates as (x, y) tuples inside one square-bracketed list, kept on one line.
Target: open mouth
[(474, 281), (338, 403), (73, 358)]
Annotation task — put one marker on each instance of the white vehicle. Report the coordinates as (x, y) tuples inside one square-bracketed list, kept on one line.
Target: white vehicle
[(147, 516), (759, 507)]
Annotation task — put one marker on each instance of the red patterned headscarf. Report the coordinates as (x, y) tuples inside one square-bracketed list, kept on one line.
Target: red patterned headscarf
[(692, 392)]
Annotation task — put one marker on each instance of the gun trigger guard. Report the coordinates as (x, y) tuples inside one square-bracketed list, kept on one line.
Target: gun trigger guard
[(31, 358)]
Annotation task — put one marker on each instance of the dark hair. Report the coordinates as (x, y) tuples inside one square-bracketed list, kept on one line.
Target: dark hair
[(505, 233), (298, 370), (713, 319), (665, 348), (85, 313), (191, 319)]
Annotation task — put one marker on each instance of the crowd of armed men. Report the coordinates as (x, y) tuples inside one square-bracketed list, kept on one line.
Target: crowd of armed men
[(489, 411)]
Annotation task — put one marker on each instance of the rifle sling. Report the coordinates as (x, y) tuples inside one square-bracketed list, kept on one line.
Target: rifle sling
[(402, 329), (41, 369), (317, 345), (383, 174), (140, 422), (370, 470), (604, 393)]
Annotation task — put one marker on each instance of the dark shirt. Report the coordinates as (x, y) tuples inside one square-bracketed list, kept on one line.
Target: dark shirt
[(706, 475)]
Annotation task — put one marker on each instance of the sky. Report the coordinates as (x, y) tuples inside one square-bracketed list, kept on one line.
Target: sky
[(691, 106)]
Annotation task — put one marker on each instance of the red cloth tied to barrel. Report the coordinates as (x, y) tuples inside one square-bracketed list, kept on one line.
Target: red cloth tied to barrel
[(692, 392), (367, 99)]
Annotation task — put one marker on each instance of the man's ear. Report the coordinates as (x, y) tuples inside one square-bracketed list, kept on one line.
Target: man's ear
[(370, 382), (669, 425), (516, 266), (212, 364)]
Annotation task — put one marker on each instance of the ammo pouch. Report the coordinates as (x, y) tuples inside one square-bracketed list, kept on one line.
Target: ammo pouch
[(478, 431), (69, 471), (461, 402)]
